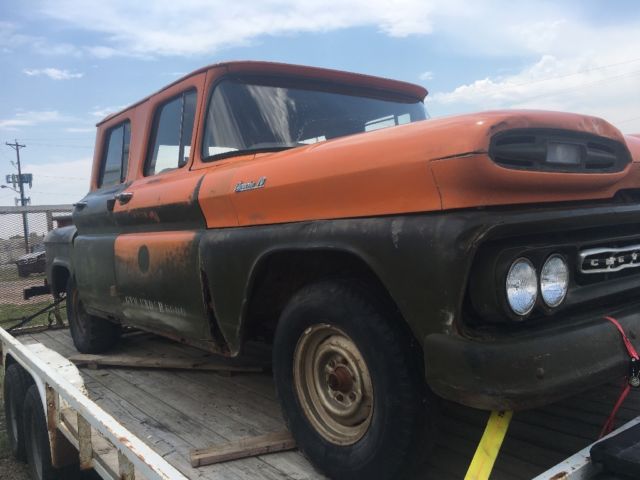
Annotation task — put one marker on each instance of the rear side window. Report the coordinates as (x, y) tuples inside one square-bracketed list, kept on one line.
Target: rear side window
[(115, 159), (171, 137)]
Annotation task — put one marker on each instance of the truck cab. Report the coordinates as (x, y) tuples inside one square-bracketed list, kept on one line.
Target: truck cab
[(389, 259)]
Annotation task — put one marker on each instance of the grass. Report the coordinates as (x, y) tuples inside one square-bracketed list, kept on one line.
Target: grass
[(11, 311), (9, 273)]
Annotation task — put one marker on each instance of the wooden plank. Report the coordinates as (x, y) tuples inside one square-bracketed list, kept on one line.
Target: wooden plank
[(159, 361), (226, 409), (246, 447), (217, 403)]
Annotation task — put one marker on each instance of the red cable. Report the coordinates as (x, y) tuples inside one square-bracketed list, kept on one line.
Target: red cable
[(627, 343), (608, 426)]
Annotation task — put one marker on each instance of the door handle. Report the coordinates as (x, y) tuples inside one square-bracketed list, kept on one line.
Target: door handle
[(124, 197)]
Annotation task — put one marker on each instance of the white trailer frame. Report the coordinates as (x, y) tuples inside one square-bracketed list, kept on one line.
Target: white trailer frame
[(56, 391), (579, 465), (54, 376)]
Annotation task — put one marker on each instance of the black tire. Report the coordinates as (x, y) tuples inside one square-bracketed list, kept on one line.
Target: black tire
[(23, 272), (37, 437), (90, 334), (16, 383), (400, 428)]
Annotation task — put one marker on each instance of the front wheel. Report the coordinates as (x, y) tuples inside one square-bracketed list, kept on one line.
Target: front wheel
[(90, 334), (349, 378)]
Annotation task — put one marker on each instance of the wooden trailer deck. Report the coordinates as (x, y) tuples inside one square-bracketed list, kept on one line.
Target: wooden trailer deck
[(180, 410)]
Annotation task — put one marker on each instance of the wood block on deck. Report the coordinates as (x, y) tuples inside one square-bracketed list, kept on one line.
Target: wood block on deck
[(154, 361), (246, 447)]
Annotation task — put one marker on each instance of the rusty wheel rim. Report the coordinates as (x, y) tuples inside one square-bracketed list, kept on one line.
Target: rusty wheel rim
[(333, 384)]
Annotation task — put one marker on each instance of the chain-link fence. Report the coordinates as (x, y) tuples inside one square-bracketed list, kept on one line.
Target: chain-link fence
[(23, 259)]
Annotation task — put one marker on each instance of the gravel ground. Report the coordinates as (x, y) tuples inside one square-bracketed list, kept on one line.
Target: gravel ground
[(9, 467)]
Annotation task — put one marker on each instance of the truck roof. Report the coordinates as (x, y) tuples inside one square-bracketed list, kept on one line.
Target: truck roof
[(284, 69)]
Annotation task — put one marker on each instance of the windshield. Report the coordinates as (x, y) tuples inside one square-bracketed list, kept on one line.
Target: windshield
[(246, 115)]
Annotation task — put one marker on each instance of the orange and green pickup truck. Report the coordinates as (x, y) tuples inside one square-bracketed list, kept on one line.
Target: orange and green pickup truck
[(389, 259)]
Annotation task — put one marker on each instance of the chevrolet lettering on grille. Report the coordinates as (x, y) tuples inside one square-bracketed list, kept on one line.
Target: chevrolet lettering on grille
[(603, 260)]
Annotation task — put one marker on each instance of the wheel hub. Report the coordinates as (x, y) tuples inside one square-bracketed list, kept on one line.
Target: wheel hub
[(333, 384), (340, 379)]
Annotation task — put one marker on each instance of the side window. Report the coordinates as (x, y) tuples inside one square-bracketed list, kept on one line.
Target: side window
[(171, 135), (115, 158)]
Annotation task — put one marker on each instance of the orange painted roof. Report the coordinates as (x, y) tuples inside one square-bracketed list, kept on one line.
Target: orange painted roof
[(273, 68)]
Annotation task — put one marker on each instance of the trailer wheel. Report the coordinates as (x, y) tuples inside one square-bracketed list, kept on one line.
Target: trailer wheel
[(16, 383), (23, 272), (350, 382), (37, 437), (90, 334)]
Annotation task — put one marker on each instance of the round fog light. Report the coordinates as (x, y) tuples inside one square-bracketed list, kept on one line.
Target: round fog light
[(522, 286), (554, 280)]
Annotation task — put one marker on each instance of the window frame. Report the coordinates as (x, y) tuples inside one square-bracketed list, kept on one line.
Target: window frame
[(124, 166), (290, 81), (155, 122)]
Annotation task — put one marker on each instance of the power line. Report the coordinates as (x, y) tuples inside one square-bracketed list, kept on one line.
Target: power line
[(58, 145), (500, 88), (584, 85), (53, 193), (626, 120), (586, 70), (64, 178)]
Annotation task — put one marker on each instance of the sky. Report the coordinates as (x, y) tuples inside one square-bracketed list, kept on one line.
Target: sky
[(64, 65)]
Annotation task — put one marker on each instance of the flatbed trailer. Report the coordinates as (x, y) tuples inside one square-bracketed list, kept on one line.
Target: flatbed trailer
[(145, 422)]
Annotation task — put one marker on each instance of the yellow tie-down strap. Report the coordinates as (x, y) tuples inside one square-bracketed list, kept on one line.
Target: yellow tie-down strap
[(489, 446)]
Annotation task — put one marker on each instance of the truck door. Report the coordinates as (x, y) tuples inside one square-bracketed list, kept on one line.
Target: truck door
[(93, 257), (156, 256)]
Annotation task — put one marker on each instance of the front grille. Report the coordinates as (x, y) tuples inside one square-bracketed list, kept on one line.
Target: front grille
[(526, 149), (604, 263), (609, 259)]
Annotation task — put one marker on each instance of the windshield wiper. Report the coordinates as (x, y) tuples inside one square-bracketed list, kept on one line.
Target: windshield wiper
[(252, 149)]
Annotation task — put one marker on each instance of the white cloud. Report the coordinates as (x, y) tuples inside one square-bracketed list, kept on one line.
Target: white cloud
[(581, 84), (80, 129), (11, 38), (570, 64), (52, 73), (31, 118), (197, 27), (426, 76), (59, 182), (101, 112)]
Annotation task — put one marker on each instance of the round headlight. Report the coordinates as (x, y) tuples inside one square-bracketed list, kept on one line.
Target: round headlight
[(522, 286), (554, 280)]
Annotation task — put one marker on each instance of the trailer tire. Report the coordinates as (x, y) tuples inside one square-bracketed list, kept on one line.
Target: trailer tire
[(350, 381), (36, 437), (23, 272), (90, 334), (16, 383)]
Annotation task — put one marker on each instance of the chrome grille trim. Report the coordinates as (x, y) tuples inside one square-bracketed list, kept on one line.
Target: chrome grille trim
[(609, 259)]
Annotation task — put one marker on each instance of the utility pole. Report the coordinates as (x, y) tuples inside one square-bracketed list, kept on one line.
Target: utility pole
[(16, 146)]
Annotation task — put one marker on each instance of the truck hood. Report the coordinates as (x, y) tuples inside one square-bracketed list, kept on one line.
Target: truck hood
[(425, 166), (467, 177), (462, 134)]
